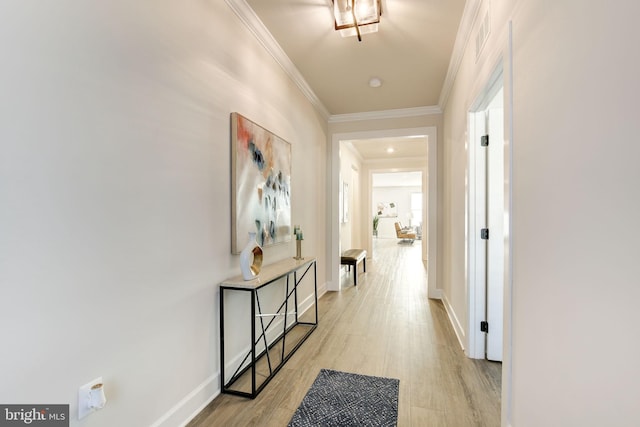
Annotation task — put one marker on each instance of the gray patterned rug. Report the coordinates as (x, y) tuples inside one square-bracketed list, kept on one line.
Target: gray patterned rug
[(342, 399)]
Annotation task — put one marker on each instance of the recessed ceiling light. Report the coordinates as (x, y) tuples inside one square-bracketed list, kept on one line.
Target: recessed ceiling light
[(375, 82), (390, 150)]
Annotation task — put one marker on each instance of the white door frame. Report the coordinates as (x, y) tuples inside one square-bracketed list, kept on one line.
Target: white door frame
[(476, 269), (430, 249)]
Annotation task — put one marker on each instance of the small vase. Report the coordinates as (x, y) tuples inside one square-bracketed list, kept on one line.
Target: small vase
[(251, 258), (298, 250)]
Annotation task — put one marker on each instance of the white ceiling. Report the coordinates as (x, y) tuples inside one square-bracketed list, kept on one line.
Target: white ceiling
[(391, 148), (410, 53), (397, 179)]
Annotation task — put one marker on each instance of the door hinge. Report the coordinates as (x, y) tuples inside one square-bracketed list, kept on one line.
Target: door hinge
[(484, 141), (484, 326), (484, 234)]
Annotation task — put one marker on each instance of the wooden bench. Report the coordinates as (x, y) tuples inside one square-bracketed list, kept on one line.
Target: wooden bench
[(352, 257)]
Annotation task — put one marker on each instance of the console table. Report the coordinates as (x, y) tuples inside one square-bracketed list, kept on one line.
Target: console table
[(256, 369)]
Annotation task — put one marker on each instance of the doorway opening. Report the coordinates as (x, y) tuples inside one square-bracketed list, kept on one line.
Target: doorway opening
[(397, 197), (427, 164)]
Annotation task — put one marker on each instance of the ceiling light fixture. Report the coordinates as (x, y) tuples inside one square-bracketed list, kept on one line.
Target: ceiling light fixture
[(356, 17), (390, 150)]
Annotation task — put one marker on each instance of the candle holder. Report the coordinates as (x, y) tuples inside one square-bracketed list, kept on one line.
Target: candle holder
[(297, 231), (298, 250)]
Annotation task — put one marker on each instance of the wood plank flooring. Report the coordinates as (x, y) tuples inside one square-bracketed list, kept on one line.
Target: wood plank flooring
[(385, 327)]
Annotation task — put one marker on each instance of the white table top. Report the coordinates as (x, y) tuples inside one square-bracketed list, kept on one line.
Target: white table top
[(268, 273)]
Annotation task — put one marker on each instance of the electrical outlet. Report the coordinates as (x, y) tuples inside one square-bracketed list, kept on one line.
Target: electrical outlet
[(91, 397)]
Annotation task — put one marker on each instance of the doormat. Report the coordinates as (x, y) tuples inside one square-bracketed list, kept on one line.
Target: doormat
[(343, 399)]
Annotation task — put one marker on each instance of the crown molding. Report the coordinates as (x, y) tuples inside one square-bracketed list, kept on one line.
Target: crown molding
[(469, 16), (386, 114), (257, 28)]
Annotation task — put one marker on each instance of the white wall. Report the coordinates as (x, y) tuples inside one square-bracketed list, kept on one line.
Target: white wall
[(114, 187), (350, 165), (574, 354)]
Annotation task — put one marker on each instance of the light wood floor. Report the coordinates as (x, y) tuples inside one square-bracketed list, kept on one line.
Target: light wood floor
[(385, 327)]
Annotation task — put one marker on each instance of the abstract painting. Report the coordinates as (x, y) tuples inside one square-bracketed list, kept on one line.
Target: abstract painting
[(387, 210), (261, 185)]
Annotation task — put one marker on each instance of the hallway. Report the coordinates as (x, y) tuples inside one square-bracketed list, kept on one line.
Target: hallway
[(384, 327)]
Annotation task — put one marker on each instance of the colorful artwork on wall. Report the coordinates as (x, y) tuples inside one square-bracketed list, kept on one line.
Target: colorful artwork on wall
[(261, 185), (387, 210)]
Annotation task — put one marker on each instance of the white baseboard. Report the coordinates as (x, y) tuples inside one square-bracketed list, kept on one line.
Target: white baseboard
[(457, 327), (193, 403), (322, 289), (435, 294)]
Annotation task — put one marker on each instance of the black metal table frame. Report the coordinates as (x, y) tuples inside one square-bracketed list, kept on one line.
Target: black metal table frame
[(255, 301)]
